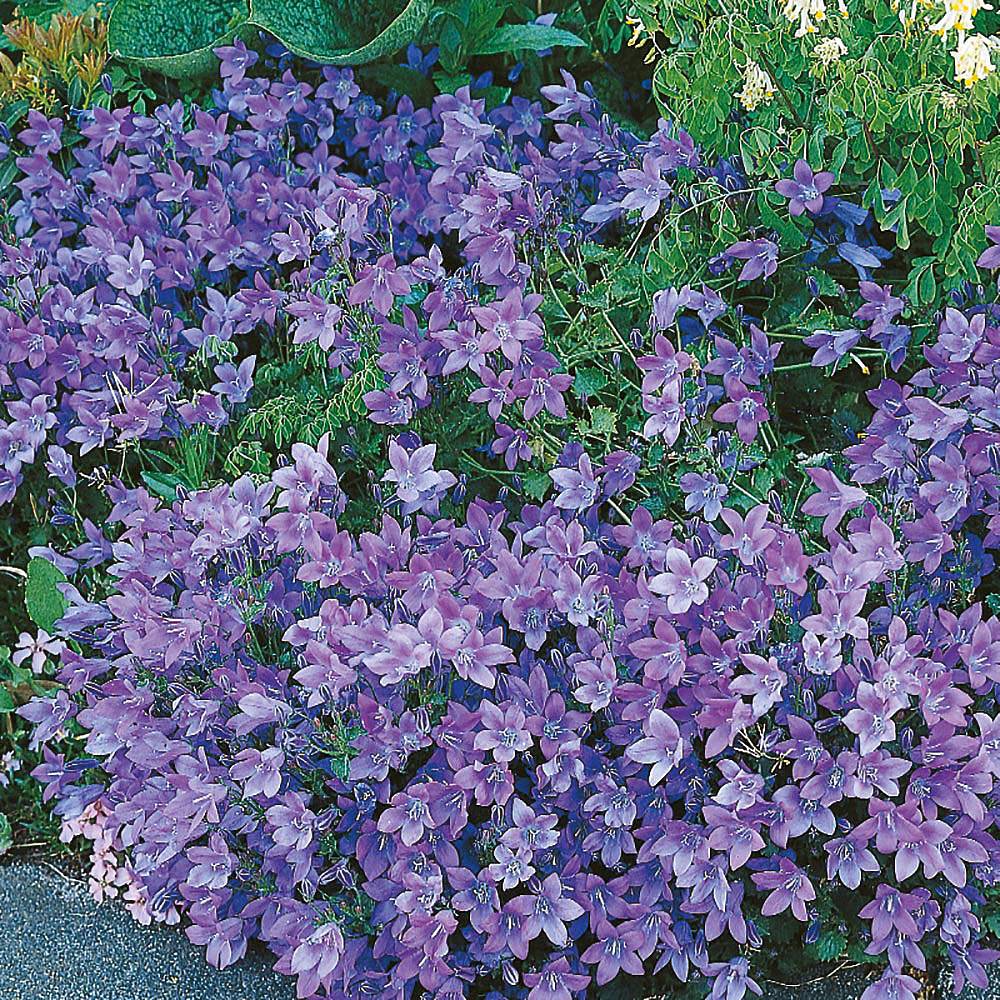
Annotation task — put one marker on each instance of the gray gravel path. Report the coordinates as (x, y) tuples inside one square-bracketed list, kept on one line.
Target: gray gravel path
[(56, 943)]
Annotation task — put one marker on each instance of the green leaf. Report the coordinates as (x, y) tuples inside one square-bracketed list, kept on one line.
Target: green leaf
[(41, 596), (603, 421), (43, 10), (175, 39), (404, 80), (8, 171), (338, 31), (589, 381), (12, 113), (163, 484), (7, 703), (515, 37), (6, 835), (830, 946), (536, 484)]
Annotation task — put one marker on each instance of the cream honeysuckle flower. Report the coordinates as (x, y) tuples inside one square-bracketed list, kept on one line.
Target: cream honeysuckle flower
[(973, 60), (805, 12), (757, 88), (829, 51), (958, 16)]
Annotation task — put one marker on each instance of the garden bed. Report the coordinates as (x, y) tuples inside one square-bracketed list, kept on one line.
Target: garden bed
[(481, 529)]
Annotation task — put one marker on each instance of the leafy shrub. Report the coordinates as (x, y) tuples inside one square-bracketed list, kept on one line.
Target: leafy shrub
[(900, 101)]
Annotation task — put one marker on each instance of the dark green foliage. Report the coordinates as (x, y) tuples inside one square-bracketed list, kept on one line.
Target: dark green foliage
[(338, 31), (175, 39)]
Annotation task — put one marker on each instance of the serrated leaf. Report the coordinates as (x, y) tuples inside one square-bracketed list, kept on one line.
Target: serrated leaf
[(41, 596), (603, 421), (594, 253), (536, 485), (340, 32), (175, 39), (589, 381), (515, 37)]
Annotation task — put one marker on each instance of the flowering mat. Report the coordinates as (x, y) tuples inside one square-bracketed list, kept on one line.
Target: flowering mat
[(59, 944)]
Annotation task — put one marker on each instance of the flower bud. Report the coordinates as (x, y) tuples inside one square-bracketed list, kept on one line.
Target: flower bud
[(809, 703), (510, 974)]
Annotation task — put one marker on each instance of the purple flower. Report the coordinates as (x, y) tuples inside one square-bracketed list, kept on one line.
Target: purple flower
[(805, 191), (761, 258), (661, 746), (578, 487), (409, 812), (731, 980), (259, 771), (788, 887), (212, 865), (833, 500), (703, 493), (548, 911), (684, 582), (555, 981), (746, 409), (848, 858), (131, 273), (647, 189), (613, 952), (378, 284), (990, 257), (504, 733)]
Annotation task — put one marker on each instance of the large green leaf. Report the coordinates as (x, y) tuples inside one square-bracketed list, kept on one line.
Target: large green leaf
[(42, 11), (341, 31), (45, 604), (176, 37), (515, 37)]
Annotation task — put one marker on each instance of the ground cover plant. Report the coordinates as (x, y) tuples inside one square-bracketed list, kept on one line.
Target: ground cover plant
[(481, 546)]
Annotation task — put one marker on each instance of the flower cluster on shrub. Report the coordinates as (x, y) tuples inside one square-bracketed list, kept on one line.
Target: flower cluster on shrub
[(137, 256), (160, 268)]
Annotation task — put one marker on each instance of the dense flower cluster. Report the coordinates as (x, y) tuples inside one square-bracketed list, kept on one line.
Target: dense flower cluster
[(536, 749), (143, 278)]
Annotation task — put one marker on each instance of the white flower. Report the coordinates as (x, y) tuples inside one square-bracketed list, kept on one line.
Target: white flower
[(757, 88), (805, 12), (36, 648), (830, 50), (972, 59), (958, 16)]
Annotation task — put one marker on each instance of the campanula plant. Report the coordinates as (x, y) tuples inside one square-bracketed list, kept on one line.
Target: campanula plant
[(538, 748), (452, 590)]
